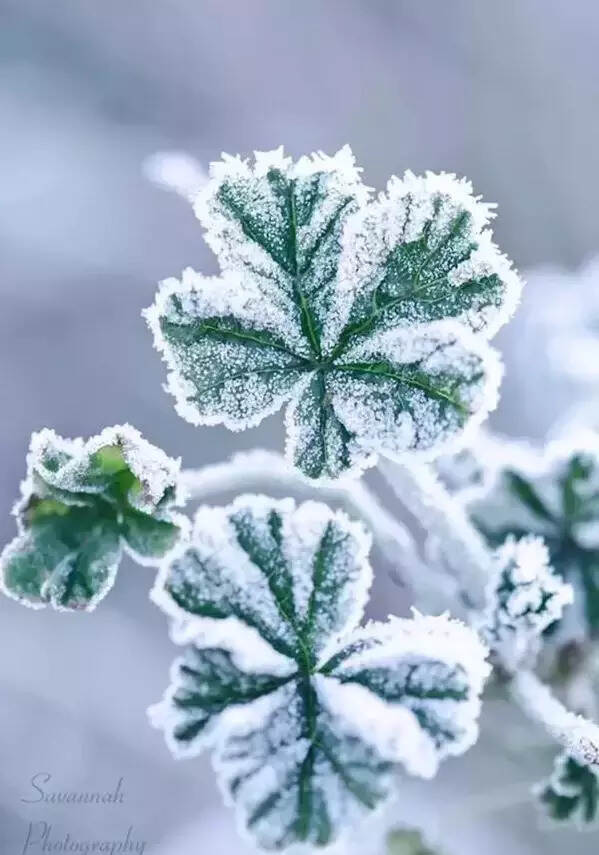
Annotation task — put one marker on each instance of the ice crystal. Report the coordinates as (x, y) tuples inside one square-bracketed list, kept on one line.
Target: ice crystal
[(525, 596), (308, 716), (572, 793), (356, 312), (81, 504), (552, 493)]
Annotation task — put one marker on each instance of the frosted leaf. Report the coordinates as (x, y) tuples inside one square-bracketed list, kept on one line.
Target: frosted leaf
[(525, 597), (554, 494), (310, 311), (572, 793), (432, 666), (230, 359), (296, 575), (421, 253), (308, 716), (81, 504)]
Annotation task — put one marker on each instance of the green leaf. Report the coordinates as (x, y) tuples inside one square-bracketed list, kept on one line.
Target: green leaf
[(572, 793), (524, 597), (407, 842), (554, 494), (308, 716), (324, 298), (82, 503)]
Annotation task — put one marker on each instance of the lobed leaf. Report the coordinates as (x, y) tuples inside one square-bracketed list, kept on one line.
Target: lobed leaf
[(308, 716), (83, 503), (553, 494), (572, 793), (524, 598), (325, 301)]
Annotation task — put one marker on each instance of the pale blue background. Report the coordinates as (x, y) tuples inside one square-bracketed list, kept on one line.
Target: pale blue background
[(505, 92)]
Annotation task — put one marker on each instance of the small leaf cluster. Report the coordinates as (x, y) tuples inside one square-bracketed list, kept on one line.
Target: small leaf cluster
[(572, 793), (553, 494), (524, 597), (82, 504)]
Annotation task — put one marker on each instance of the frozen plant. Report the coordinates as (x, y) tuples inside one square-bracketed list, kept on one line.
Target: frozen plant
[(572, 792), (525, 596), (554, 493), (369, 318), (308, 715), (82, 503)]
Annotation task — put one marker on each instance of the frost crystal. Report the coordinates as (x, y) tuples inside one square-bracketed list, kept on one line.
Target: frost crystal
[(307, 715), (553, 494), (82, 503), (572, 793), (357, 313), (524, 598)]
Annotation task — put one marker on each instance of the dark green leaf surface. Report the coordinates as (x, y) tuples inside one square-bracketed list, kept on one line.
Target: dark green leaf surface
[(554, 494), (308, 716), (81, 504), (572, 793), (325, 300)]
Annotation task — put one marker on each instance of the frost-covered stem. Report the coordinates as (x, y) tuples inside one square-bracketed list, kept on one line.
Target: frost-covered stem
[(467, 557), (260, 469), (578, 735)]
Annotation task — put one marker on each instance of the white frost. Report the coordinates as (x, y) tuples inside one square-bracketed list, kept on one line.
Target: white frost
[(392, 729), (525, 596), (214, 563)]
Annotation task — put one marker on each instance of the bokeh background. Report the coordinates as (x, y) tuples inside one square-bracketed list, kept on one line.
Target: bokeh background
[(505, 93)]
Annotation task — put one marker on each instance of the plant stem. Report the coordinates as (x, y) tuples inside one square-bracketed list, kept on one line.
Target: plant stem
[(261, 469), (464, 554), (578, 735)]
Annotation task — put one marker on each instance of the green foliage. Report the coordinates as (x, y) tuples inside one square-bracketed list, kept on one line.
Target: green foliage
[(572, 793), (309, 716), (407, 842), (354, 313), (81, 504), (555, 495)]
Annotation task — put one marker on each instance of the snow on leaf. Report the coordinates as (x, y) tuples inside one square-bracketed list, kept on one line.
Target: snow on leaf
[(432, 666), (81, 504), (326, 299), (572, 793), (552, 493), (308, 716), (420, 253), (525, 597)]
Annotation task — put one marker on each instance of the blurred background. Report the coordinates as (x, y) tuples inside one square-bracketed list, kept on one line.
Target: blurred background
[(505, 93)]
